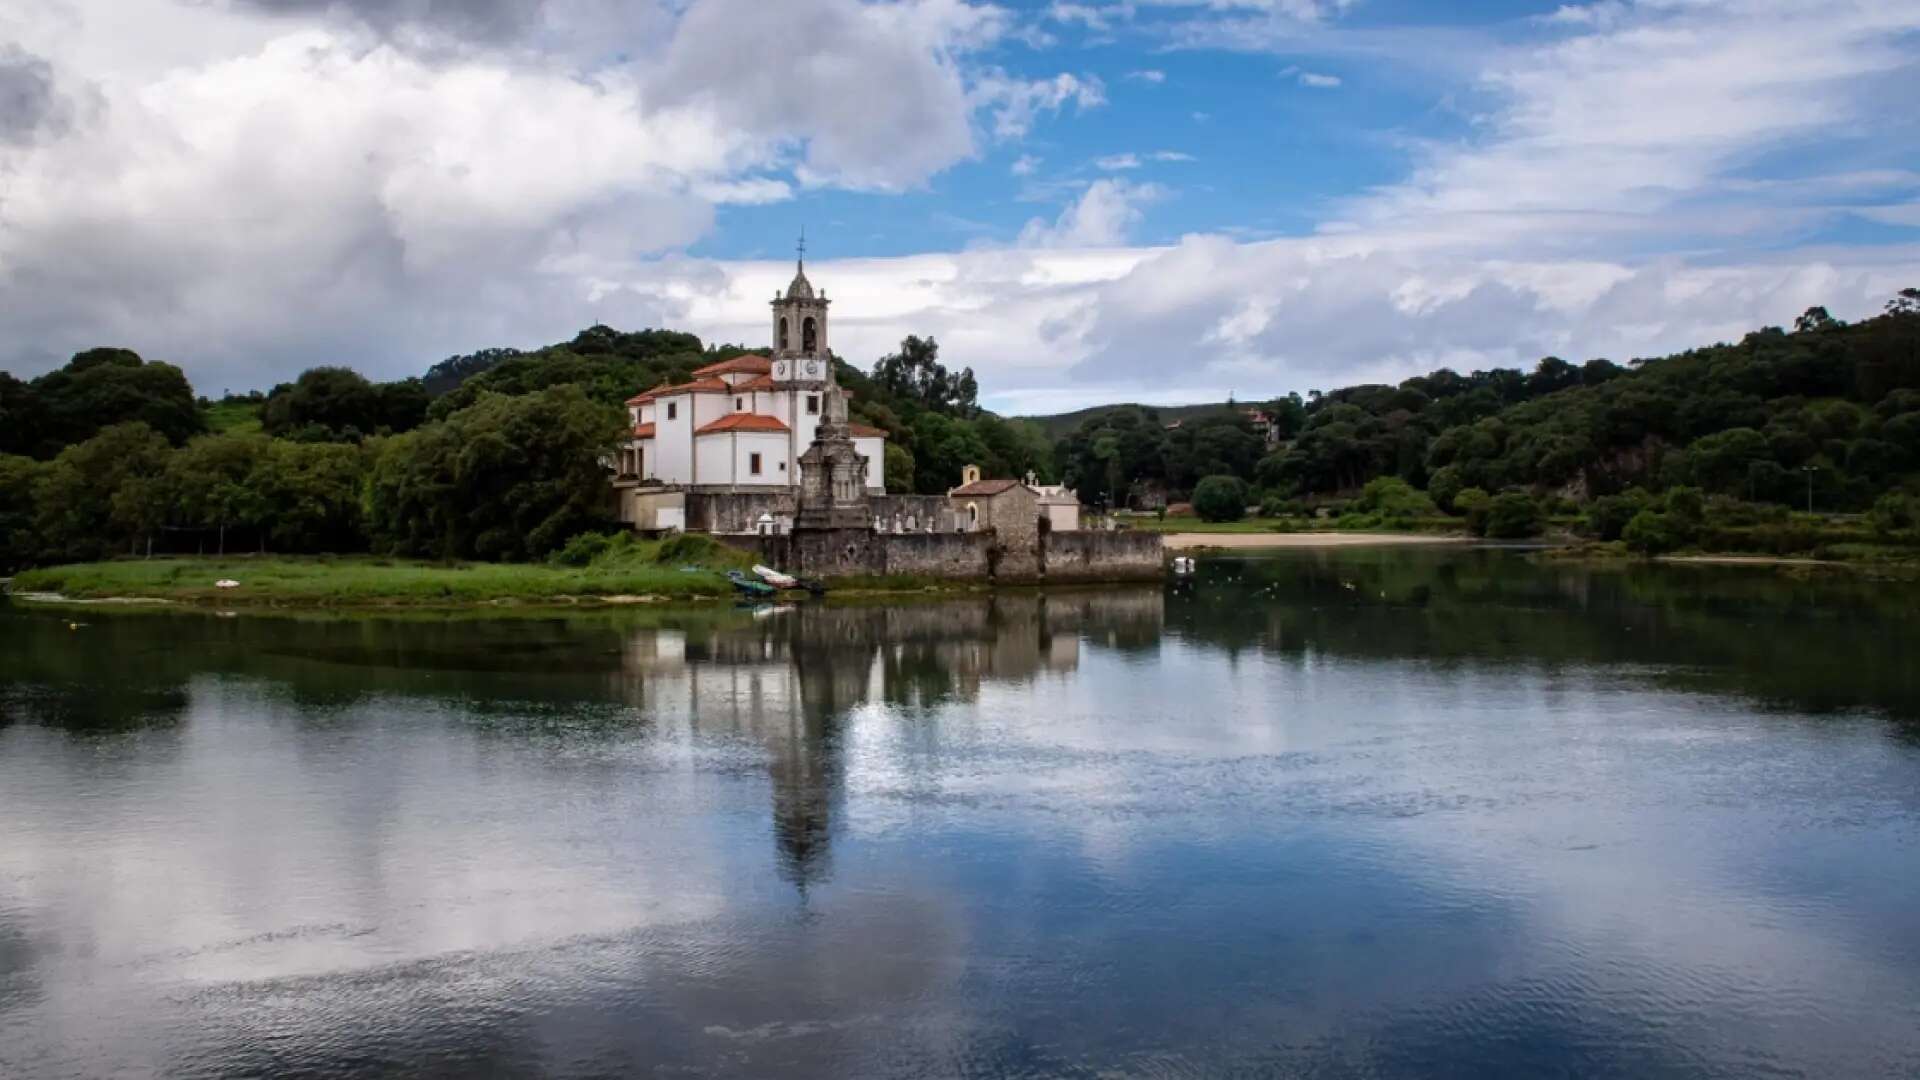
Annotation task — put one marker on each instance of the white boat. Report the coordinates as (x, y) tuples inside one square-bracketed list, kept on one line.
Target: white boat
[(1183, 564), (775, 578)]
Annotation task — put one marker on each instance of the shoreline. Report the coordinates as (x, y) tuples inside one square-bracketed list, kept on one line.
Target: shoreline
[(1194, 541)]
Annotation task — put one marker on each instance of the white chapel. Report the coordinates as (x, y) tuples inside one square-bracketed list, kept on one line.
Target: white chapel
[(742, 424)]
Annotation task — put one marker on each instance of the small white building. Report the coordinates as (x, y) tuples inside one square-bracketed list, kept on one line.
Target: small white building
[(741, 425), (1058, 504)]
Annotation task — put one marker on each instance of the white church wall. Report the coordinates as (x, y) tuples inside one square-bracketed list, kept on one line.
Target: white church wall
[(875, 451), (673, 439)]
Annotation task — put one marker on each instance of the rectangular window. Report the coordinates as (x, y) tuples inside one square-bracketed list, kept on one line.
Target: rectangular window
[(813, 404), (753, 464), (739, 403), (673, 409)]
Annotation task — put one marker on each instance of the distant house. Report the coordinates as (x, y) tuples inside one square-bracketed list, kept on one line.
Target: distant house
[(1008, 507), (1263, 425), (1058, 505)]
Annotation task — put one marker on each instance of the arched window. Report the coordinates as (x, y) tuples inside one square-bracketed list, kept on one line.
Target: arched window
[(973, 515), (807, 335), (783, 331)]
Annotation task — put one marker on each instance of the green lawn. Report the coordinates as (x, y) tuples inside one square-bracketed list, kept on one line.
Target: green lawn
[(233, 418), (1283, 525), (366, 580)]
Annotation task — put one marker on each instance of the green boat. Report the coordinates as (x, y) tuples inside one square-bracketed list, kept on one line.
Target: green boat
[(748, 586)]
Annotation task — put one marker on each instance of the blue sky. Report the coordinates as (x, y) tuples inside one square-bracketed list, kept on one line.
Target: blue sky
[(1084, 200)]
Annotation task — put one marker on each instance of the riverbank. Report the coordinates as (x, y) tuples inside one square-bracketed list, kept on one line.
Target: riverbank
[(1189, 541), (351, 581)]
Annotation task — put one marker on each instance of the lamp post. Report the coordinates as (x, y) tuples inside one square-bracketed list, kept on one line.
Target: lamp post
[(1809, 470)]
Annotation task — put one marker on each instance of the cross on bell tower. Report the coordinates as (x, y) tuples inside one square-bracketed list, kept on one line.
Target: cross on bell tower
[(800, 327)]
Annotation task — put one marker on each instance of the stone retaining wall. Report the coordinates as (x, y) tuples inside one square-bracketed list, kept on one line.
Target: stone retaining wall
[(1102, 556)]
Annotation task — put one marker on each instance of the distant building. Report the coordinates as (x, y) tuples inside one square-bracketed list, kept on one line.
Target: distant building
[(1008, 506), (1058, 505)]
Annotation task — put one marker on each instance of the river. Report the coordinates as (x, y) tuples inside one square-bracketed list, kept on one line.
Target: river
[(1356, 813)]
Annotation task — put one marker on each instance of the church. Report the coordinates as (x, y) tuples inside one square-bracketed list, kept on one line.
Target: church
[(742, 425)]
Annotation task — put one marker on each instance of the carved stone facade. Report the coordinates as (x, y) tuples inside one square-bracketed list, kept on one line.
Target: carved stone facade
[(833, 490)]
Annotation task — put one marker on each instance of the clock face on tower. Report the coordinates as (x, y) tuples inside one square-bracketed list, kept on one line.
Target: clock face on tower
[(813, 367), (780, 369)]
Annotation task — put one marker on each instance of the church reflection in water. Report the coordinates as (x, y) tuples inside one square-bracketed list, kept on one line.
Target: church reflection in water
[(787, 681)]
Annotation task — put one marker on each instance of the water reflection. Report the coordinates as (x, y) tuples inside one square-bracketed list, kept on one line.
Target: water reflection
[(1365, 814)]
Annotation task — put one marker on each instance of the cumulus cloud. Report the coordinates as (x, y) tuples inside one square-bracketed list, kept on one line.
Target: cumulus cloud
[(257, 192), (1103, 215), (29, 104), (1016, 103)]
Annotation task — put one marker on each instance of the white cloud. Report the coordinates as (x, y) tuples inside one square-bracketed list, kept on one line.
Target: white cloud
[(1148, 75), (1015, 104), (1117, 162), (1318, 81), (1103, 215), (251, 194)]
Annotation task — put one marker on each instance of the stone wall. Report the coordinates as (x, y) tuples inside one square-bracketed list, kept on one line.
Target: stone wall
[(958, 556), (724, 513), (1102, 556), (914, 513)]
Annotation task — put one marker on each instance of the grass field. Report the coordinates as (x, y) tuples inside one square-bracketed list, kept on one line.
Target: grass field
[(233, 418), (1285, 525), (636, 569)]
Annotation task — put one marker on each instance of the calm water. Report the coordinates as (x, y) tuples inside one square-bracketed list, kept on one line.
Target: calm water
[(1370, 814)]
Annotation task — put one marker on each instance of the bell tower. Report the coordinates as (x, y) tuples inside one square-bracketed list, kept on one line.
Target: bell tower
[(800, 329)]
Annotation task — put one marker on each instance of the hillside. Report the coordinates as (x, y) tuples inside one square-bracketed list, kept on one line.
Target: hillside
[(1828, 405), (1060, 425)]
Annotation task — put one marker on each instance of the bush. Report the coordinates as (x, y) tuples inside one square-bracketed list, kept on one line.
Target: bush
[(1445, 485), (582, 550), (1511, 515), (1279, 506), (1895, 512), (1650, 533), (1473, 503), (1220, 498), (1393, 499), (1607, 516)]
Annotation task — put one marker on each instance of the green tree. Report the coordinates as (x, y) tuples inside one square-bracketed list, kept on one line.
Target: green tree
[(19, 539), (1220, 498), (507, 478), (309, 495), (1511, 515), (1651, 533), (100, 388), (1395, 500), (335, 403), (898, 468), (74, 497), (915, 375), (1472, 503), (212, 484)]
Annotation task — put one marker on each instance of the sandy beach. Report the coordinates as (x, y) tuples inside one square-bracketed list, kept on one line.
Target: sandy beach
[(1189, 541)]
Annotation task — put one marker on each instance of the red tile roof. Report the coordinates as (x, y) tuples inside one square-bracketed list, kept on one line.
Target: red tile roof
[(748, 365), (862, 431), (985, 487), (764, 382), (741, 421), (645, 396), (643, 431)]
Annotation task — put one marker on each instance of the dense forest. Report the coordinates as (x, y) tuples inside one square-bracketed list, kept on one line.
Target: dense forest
[(500, 454), (1827, 413)]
